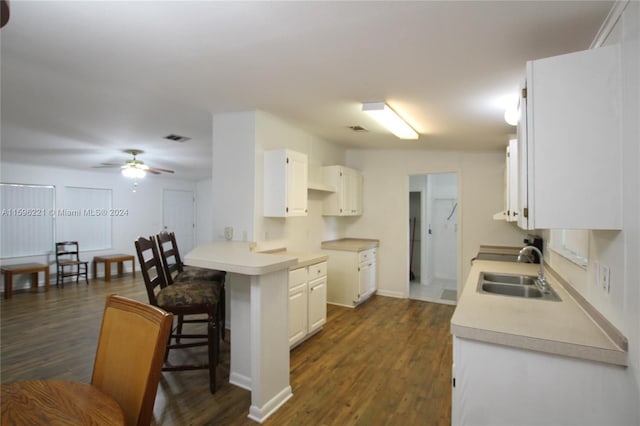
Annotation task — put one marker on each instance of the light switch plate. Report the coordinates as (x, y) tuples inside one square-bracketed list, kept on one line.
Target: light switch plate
[(605, 278)]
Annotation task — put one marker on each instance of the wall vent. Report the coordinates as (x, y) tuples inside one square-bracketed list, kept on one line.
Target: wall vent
[(177, 138)]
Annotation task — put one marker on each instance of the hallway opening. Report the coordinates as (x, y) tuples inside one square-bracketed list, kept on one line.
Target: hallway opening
[(433, 239)]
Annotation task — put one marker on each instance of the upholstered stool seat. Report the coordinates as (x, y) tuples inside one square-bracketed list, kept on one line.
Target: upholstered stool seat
[(191, 273), (191, 293)]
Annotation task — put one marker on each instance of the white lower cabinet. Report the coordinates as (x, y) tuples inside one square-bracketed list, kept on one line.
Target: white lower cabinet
[(317, 304), (307, 301), (497, 385), (352, 276)]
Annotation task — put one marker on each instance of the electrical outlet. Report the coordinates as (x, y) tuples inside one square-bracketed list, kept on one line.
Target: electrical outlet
[(605, 278)]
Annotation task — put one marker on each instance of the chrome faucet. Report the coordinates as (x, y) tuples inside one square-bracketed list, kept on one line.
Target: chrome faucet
[(541, 281)]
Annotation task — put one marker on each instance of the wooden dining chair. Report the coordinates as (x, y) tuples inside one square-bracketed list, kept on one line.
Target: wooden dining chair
[(131, 350), (186, 299), (176, 271), (68, 256)]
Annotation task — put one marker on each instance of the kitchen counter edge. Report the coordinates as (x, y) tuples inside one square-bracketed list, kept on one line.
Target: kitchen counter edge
[(350, 244)]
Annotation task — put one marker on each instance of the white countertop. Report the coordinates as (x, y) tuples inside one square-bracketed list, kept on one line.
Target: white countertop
[(302, 258), (562, 328), (350, 244), (238, 257)]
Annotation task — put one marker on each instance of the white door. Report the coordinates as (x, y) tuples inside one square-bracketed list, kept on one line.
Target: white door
[(445, 228), (179, 217)]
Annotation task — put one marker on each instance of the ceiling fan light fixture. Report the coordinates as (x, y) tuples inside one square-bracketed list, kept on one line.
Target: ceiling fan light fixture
[(134, 172), (390, 119)]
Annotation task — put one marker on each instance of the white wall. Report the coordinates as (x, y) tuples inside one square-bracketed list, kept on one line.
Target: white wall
[(204, 207), (232, 175), (620, 250), (144, 207), (386, 206), (239, 142), (296, 233)]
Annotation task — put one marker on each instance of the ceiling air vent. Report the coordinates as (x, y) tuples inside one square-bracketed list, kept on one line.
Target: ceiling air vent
[(177, 138), (358, 129)]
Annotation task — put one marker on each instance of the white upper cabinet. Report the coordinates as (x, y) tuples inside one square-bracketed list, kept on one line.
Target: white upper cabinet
[(512, 169), (285, 183), (347, 200), (570, 142)]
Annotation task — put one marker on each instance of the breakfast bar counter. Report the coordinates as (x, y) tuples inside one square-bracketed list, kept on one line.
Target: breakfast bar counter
[(259, 291)]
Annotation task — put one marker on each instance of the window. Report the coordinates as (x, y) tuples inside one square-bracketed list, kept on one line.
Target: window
[(27, 220), (572, 244)]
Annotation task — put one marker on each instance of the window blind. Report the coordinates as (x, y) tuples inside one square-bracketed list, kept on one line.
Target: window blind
[(27, 220)]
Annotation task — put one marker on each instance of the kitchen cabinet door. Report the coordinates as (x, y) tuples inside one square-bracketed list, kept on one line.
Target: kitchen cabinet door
[(347, 200), (366, 280), (317, 304), (297, 314), (512, 181), (297, 305), (285, 183), (573, 142), (367, 274)]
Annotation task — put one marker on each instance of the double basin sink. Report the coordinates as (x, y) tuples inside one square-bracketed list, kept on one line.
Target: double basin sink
[(515, 286)]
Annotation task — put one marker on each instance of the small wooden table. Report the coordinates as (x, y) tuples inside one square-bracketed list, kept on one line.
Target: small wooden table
[(24, 268), (49, 402), (108, 259)]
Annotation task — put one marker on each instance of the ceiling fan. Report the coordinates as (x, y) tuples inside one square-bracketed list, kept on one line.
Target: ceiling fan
[(135, 168)]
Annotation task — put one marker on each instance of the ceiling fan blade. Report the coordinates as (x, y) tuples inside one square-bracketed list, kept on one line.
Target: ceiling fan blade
[(158, 170), (106, 165)]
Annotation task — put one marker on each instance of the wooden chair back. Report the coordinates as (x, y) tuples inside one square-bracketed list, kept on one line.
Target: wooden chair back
[(151, 267), (68, 255), (67, 250), (170, 255), (131, 349)]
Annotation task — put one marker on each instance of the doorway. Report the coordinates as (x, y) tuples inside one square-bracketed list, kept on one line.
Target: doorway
[(433, 237), (179, 217)]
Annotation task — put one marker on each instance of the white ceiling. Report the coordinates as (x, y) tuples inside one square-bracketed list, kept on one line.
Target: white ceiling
[(81, 81)]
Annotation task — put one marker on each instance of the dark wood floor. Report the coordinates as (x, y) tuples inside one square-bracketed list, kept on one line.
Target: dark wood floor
[(387, 362)]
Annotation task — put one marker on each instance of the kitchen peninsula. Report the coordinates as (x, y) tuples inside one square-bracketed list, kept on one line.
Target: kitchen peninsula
[(259, 293)]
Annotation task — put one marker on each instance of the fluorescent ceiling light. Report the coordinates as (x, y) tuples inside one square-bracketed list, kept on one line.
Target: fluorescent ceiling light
[(382, 113), (134, 172)]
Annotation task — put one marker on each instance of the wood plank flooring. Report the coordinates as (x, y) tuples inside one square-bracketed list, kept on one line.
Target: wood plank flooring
[(387, 362)]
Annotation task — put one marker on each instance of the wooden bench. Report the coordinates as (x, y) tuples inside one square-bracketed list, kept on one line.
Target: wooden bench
[(108, 259), (24, 268)]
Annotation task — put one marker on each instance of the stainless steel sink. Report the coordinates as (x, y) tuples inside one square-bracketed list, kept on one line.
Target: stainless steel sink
[(511, 290), (515, 286), (508, 278)]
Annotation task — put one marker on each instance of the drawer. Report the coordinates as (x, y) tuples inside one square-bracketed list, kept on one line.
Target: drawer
[(367, 255), (297, 277), (318, 270)]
